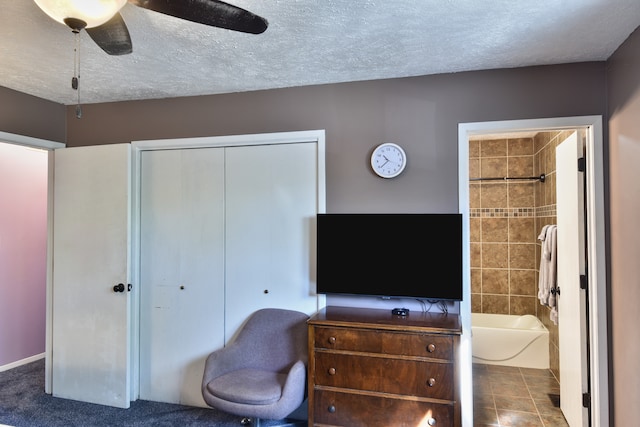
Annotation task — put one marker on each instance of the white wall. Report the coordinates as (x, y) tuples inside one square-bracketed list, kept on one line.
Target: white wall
[(23, 250)]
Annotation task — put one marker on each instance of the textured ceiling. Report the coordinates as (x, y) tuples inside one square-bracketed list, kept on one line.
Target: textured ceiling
[(308, 42)]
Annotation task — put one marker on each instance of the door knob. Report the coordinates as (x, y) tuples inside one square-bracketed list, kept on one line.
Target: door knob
[(118, 288)]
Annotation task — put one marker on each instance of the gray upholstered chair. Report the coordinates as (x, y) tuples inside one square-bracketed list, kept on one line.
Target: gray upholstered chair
[(262, 373)]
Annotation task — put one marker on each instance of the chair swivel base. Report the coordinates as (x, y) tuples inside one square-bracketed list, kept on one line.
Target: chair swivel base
[(287, 422)]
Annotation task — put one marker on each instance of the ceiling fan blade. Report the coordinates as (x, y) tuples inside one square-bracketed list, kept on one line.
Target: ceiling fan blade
[(112, 36), (215, 13)]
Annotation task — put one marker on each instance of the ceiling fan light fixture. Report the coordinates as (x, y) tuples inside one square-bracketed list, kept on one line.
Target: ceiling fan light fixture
[(93, 12)]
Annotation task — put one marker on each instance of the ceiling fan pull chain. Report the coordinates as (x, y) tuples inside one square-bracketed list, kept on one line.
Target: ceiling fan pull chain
[(75, 80)]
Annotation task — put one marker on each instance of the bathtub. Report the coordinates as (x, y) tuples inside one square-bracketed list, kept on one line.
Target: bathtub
[(502, 339)]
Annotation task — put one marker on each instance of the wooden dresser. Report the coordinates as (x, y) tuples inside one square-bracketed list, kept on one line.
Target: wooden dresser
[(368, 367)]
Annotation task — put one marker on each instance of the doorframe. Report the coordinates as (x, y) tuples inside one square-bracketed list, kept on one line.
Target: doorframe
[(137, 147), (596, 249), (44, 144)]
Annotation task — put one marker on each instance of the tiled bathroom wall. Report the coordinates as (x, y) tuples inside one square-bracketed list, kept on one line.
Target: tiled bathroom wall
[(503, 227), (545, 144), (506, 217)]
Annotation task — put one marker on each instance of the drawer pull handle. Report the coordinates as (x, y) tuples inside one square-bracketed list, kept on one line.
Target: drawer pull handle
[(431, 348), (332, 371), (331, 408), (431, 421), (431, 382), (332, 340)]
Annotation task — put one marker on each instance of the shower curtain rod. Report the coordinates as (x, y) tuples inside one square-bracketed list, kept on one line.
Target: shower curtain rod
[(540, 178)]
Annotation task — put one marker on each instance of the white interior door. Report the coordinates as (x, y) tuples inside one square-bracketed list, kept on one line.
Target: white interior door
[(90, 321), (271, 204), (181, 270), (572, 317)]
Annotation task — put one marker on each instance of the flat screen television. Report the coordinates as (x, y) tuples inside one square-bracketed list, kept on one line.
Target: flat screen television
[(390, 255)]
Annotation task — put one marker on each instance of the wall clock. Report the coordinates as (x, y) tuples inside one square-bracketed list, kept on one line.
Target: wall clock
[(388, 160)]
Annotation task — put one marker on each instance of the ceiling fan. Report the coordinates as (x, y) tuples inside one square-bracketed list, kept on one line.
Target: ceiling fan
[(102, 20)]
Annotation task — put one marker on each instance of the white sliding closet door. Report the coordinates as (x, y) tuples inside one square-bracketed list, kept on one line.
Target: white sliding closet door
[(271, 203), (181, 270), (225, 231), (90, 320)]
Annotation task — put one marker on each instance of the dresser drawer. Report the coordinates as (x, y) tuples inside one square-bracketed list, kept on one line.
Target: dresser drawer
[(385, 342), (353, 410), (386, 375)]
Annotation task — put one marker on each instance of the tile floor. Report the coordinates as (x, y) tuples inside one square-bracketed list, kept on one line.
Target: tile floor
[(522, 397)]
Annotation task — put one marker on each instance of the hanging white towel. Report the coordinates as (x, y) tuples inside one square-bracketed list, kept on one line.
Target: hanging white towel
[(548, 270)]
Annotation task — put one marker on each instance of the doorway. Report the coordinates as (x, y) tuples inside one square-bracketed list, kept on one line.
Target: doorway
[(23, 247), (30, 142), (595, 246)]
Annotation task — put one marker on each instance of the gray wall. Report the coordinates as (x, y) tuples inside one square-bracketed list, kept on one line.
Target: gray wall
[(421, 114), (623, 81), (27, 115)]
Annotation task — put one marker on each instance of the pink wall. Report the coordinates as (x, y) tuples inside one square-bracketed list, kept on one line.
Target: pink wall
[(23, 251)]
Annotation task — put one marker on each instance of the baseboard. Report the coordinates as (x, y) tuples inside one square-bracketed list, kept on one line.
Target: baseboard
[(21, 362)]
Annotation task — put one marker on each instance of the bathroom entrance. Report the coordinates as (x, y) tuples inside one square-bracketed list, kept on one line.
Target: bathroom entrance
[(505, 221)]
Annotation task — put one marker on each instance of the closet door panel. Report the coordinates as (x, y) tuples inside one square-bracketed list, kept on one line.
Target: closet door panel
[(182, 270), (271, 205)]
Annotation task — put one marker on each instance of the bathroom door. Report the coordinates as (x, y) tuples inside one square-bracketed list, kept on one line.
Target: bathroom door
[(572, 302)]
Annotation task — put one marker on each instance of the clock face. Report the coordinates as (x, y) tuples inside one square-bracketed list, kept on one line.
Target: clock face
[(388, 160)]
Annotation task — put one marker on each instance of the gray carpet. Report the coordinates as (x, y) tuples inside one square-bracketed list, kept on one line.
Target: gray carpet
[(23, 403)]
